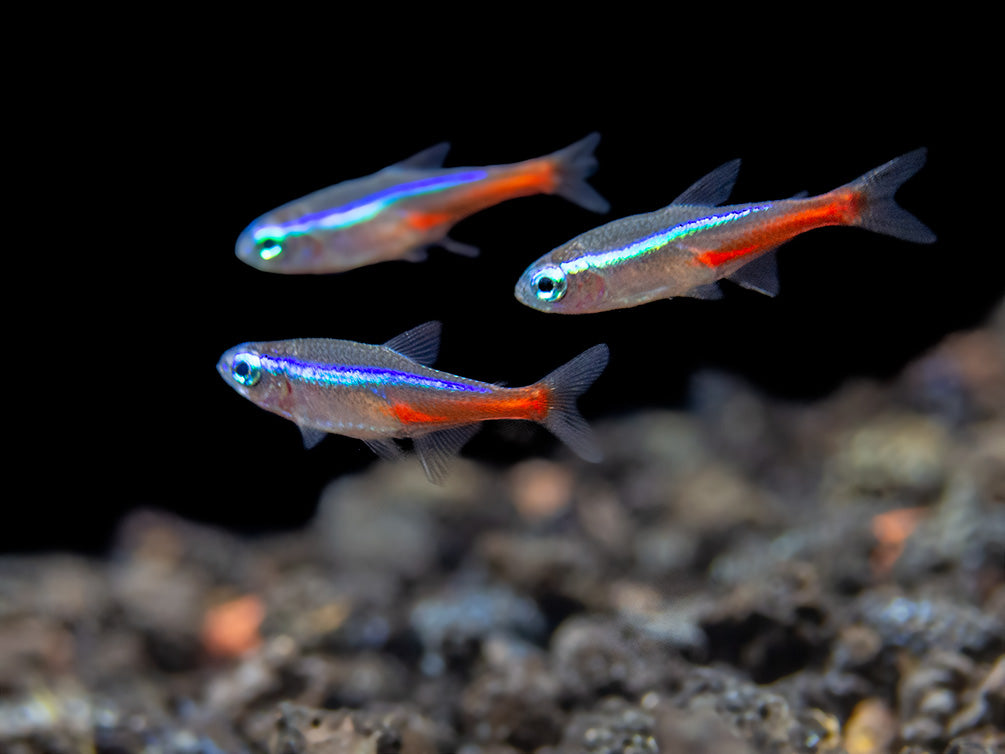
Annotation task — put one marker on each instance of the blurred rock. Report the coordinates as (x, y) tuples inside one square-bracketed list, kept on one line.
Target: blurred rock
[(454, 623), (515, 699), (923, 624), (896, 455), (613, 726), (313, 731), (594, 657)]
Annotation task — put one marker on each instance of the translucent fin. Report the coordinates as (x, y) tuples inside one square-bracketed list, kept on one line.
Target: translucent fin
[(311, 435), (760, 275), (712, 189), (436, 449), (456, 247), (421, 344), (419, 254), (880, 213), (427, 158), (573, 165), (386, 449), (566, 384), (711, 291)]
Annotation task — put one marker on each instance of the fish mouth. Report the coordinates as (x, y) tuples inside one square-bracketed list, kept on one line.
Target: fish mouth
[(225, 367), (245, 248)]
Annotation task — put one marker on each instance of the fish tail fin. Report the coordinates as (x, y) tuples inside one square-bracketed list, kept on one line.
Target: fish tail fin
[(877, 211), (571, 167), (566, 384)]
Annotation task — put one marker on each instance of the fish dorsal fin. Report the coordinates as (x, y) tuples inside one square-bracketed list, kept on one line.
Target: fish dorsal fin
[(427, 158), (311, 435), (436, 449), (712, 189), (761, 275), (800, 195), (420, 344)]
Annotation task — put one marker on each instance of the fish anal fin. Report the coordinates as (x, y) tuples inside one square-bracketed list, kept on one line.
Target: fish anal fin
[(712, 189), (760, 275), (311, 435), (709, 291), (456, 247), (386, 449), (420, 344), (436, 449)]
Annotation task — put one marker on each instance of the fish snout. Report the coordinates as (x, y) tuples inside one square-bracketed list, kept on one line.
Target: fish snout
[(223, 366), (247, 249)]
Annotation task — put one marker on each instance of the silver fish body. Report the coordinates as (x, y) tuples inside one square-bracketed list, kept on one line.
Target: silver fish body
[(685, 248), (398, 212), (378, 393)]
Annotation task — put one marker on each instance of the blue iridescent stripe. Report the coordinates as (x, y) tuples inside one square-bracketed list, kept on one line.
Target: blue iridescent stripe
[(343, 375), (656, 241), (366, 207)]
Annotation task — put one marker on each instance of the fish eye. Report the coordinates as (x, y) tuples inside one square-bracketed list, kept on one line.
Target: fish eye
[(549, 283), (269, 248), (247, 369)]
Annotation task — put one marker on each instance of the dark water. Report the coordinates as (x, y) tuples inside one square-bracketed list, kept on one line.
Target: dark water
[(134, 412)]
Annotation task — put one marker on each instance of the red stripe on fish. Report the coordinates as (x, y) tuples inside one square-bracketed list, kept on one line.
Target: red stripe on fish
[(531, 404)]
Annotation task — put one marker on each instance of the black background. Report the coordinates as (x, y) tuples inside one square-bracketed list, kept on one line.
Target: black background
[(168, 154)]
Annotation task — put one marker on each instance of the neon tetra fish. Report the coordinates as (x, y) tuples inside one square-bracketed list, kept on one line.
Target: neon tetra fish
[(399, 211), (686, 247), (380, 393)]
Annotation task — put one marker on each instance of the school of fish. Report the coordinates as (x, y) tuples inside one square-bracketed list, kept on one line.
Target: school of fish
[(383, 393)]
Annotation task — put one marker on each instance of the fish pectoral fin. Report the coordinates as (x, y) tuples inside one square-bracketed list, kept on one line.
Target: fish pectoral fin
[(420, 344), (436, 449), (311, 435), (712, 189), (709, 291), (761, 275), (456, 247), (386, 449), (428, 158)]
